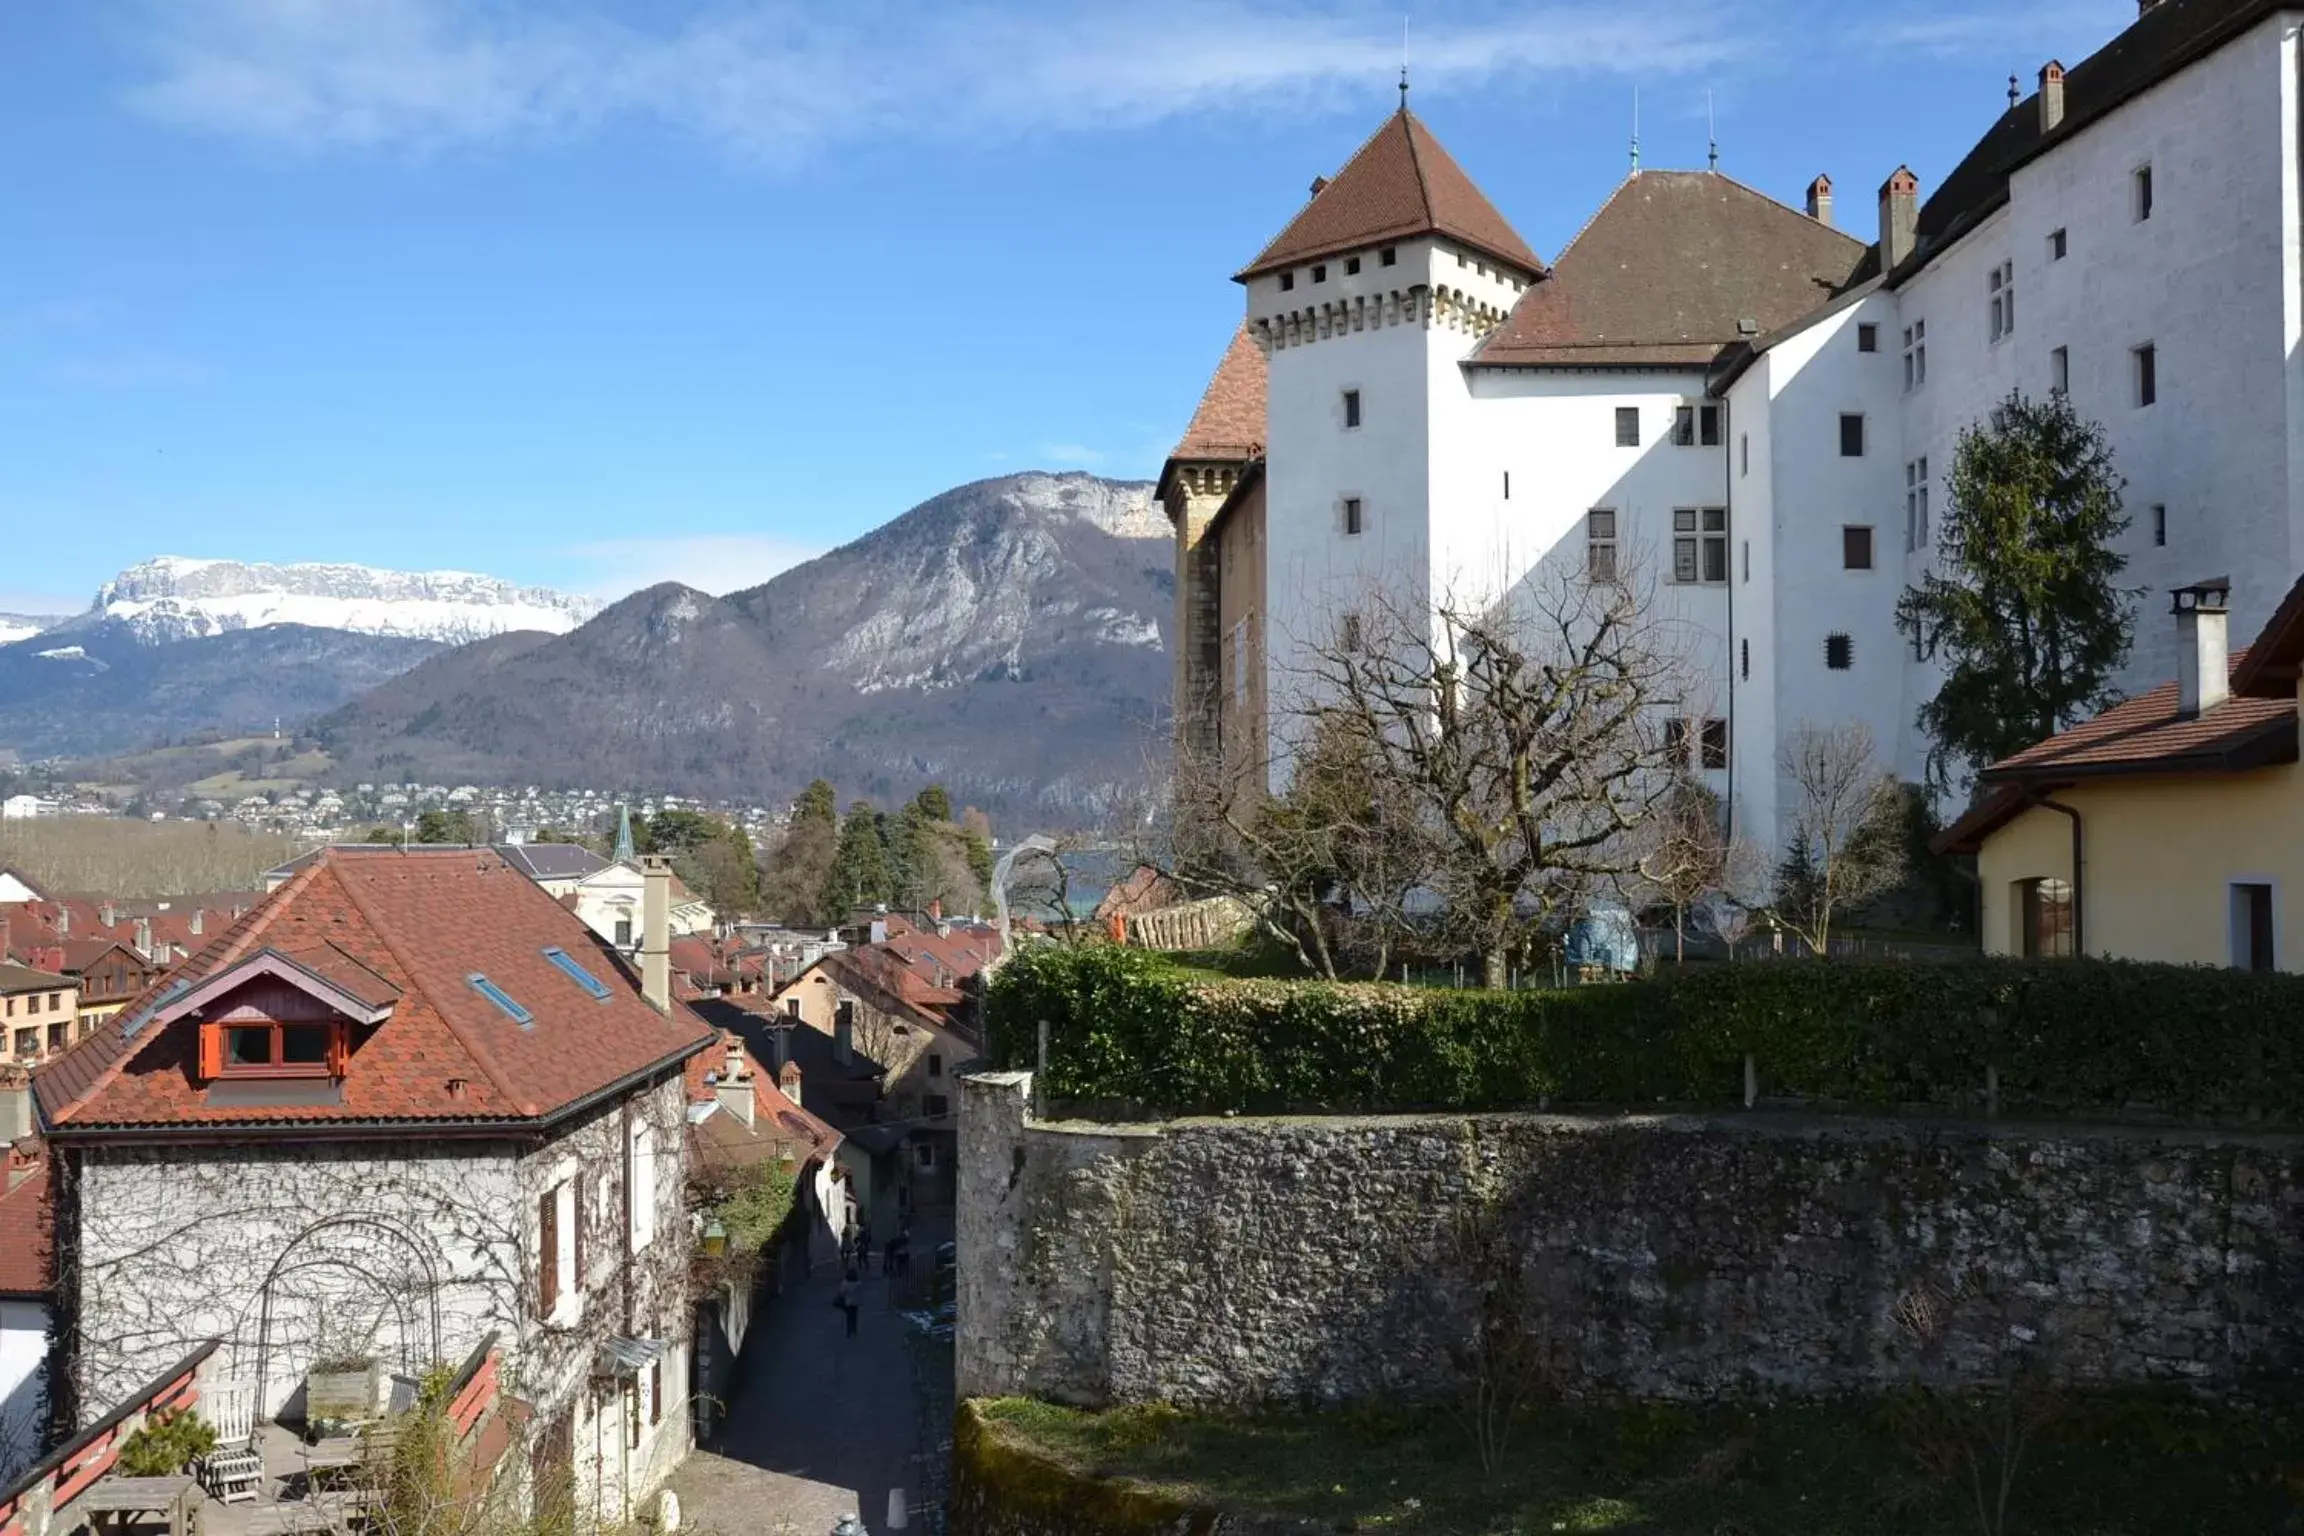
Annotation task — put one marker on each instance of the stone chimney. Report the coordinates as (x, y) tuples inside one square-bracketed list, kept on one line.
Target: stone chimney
[(1820, 200), (735, 1088), (108, 914), (788, 1079), (844, 1035), (656, 931), (2051, 96), (2203, 659), (144, 937), (1319, 185), (15, 1105), (199, 921), (1899, 217), (63, 921)]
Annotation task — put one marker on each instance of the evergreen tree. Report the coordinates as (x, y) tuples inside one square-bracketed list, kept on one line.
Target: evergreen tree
[(2023, 604), (860, 874), (819, 804), (935, 803), (799, 870)]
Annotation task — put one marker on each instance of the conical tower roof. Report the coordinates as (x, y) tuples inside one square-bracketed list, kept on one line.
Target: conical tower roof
[(1400, 185), (1230, 421)]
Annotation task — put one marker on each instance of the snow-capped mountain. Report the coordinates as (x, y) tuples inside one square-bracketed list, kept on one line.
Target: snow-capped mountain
[(22, 626), (175, 598)]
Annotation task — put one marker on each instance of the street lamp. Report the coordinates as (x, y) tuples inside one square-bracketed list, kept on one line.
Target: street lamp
[(1036, 843)]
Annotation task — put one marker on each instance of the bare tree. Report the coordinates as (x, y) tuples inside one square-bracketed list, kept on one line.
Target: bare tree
[(1691, 854), (1524, 735), (1842, 836)]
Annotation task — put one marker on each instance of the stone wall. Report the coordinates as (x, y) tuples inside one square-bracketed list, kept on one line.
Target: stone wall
[(1334, 1260)]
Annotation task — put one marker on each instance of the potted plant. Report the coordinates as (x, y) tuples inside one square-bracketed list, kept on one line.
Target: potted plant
[(340, 1388)]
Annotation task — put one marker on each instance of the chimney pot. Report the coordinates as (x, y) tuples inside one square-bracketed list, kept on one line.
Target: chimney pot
[(2203, 655), (2051, 95), (1899, 217), (1820, 200), (1319, 184)]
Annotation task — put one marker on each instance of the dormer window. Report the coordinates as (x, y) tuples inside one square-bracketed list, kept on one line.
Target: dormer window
[(267, 1048)]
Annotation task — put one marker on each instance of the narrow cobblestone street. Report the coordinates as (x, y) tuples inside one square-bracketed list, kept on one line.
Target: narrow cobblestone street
[(821, 1425)]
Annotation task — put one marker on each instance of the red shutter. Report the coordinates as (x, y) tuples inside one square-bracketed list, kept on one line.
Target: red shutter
[(211, 1052), (547, 1252)]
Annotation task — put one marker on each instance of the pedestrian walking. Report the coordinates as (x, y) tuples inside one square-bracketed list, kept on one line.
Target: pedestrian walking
[(844, 1297)]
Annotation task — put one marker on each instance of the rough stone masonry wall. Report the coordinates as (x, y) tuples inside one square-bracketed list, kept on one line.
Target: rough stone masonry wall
[(1253, 1262)]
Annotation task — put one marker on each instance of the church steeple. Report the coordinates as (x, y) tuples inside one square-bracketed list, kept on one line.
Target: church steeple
[(624, 853)]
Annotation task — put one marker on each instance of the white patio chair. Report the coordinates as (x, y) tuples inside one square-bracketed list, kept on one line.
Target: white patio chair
[(233, 1471)]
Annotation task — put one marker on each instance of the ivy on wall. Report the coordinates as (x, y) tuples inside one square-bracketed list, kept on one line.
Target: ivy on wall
[(1129, 1034)]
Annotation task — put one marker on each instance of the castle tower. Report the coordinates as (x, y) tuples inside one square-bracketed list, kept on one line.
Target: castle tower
[(1226, 436), (1365, 306)]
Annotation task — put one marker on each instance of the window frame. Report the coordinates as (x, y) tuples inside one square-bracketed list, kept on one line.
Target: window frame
[(2060, 370), (2144, 373), (2000, 285), (1352, 416), (1857, 417), (1351, 266), (1684, 426), (1627, 426), (1867, 335), (217, 1061), (1596, 541), (640, 1193), (2159, 525), (1708, 425), (2253, 934), (2059, 243), (2140, 193), (1712, 745), (1855, 536), (1352, 516), (2034, 941), (1839, 642), (1389, 256)]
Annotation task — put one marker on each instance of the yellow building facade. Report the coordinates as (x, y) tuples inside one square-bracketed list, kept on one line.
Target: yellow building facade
[(2169, 828)]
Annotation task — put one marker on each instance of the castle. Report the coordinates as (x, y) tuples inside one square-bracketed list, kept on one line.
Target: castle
[(1754, 407)]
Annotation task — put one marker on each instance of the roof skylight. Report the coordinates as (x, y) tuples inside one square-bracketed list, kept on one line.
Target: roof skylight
[(502, 999), (576, 973)]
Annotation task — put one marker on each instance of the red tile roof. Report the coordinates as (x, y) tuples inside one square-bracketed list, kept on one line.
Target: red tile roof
[(1399, 185), (26, 1231), (775, 1118), (25, 978), (407, 930), (1229, 425), (1668, 271), (2274, 662)]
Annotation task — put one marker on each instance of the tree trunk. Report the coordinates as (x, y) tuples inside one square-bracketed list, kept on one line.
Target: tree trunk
[(1494, 964)]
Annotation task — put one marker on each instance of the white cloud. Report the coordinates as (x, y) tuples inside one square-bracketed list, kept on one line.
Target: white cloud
[(718, 563), (1071, 456), (775, 80)]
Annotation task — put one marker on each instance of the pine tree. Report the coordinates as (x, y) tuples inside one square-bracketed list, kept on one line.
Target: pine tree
[(860, 874), (2023, 604)]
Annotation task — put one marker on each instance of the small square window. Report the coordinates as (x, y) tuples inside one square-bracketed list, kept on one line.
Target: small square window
[(1287, 281), (1855, 548), (1320, 274), (1851, 435), (1867, 337), (1684, 426), (2147, 374), (1708, 425), (2060, 370), (2159, 526), (1354, 520), (1351, 266), (2056, 245), (1388, 257), (2143, 193), (1351, 408), (1839, 652), (1627, 426)]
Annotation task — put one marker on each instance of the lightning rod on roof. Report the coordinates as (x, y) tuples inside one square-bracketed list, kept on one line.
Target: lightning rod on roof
[(1403, 61), (1711, 134), (2014, 95), (1635, 130)]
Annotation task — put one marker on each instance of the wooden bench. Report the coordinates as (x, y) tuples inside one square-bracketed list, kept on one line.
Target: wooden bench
[(116, 1503)]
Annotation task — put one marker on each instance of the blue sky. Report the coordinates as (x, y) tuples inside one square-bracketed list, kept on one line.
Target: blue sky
[(596, 294)]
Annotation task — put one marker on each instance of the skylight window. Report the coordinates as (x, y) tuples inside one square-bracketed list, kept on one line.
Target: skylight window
[(502, 999), (576, 973)]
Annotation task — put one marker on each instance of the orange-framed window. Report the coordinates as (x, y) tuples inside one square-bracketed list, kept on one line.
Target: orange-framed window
[(267, 1048)]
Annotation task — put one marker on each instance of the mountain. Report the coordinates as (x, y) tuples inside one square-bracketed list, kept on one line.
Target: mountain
[(1005, 637), (23, 626), (104, 688), (174, 598)]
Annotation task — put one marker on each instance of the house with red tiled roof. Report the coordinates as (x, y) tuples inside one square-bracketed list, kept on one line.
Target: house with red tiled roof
[(2167, 827), (39, 1012), (407, 1103)]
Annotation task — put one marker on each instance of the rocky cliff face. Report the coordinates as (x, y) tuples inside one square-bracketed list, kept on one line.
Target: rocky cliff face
[(1006, 637), (175, 598)]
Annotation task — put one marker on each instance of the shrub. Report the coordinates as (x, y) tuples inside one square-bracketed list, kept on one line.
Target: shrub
[(1129, 1033), (165, 1444)]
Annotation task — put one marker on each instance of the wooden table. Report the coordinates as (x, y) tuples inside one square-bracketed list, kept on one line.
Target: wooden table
[(114, 1499)]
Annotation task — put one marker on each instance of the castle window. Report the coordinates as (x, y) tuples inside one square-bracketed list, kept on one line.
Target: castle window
[(2147, 374), (1855, 548), (1507, 485), (2056, 245), (1320, 273), (1743, 453), (1916, 354), (1708, 425), (1744, 657), (1851, 434), (1351, 266), (1867, 337), (1700, 544), (2000, 287), (2143, 193), (2159, 526), (1600, 544), (1915, 504), (1354, 519), (1351, 408), (1388, 257), (2060, 370), (1627, 426), (1287, 281), (1712, 745), (1839, 652), (1349, 637), (1684, 426)]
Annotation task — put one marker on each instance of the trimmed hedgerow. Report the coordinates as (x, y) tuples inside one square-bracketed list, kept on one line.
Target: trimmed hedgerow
[(1130, 1034)]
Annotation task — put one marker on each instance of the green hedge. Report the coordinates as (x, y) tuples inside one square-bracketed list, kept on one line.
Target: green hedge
[(1129, 1034)]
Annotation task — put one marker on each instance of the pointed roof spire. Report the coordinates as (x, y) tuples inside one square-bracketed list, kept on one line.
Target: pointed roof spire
[(624, 854), (1399, 185)]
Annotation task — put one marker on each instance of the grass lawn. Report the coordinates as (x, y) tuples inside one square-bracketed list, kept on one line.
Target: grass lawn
[(2116, 1467)]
